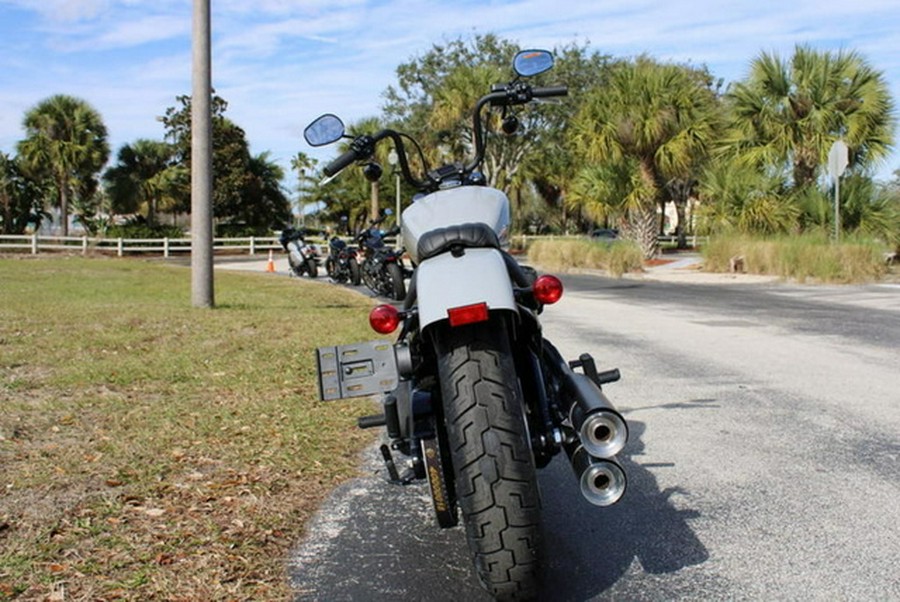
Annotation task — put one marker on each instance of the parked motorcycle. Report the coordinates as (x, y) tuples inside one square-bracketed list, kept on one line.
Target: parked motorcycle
[(382, 267), (303, 257), (341, 263), (473, 394)]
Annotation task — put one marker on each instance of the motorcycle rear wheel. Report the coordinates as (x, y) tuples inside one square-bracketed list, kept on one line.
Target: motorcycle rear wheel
[(494, 471), (312, 267), (355, 277), (331, 268), (398, 287)]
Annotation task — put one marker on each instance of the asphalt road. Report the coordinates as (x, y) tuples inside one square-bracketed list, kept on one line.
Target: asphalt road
[(763, 463)]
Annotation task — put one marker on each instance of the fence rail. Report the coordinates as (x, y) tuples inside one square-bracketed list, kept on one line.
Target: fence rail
[(34, 244)]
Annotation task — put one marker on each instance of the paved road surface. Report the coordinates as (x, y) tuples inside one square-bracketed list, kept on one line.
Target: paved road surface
[(764, 461)]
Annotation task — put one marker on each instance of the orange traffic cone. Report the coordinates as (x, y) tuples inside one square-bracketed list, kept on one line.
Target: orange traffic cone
[(270, 267)]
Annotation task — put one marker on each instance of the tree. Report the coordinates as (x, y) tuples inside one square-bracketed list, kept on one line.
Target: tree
[(66, 143), (244, 198), (146, 179), (21, 202), (649, 124), (786, 115), (305, 166), (735, 197)]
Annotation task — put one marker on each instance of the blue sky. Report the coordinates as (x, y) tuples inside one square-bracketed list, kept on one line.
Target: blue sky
[(280, 63)]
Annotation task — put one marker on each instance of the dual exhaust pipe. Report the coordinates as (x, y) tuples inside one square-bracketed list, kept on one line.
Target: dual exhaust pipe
[(598, 432), (601, 433)]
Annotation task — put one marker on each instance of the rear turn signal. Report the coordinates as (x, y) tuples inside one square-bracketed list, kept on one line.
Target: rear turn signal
[(384, 319), (547, 289), (468, 314)]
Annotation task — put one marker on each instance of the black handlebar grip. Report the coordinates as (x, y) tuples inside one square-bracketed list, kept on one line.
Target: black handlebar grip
[(550, 91), (340, 163)]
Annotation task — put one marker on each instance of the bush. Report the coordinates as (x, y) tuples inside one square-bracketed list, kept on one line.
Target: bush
[(807, 257), (144, 230), (240, 231), (615, 257)]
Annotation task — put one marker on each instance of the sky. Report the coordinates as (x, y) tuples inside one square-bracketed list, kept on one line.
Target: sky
[(281, 63)]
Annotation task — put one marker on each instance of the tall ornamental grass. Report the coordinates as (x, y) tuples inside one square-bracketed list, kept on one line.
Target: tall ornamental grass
[(807, 257), (616, 257)]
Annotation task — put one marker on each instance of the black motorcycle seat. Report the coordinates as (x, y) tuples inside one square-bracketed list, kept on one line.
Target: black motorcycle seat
[(440, 240)]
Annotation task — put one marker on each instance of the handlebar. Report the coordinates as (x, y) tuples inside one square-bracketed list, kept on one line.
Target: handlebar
[(550, 91), (340, 163)]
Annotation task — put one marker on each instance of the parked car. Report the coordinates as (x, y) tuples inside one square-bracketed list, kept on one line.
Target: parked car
[(605, 234)]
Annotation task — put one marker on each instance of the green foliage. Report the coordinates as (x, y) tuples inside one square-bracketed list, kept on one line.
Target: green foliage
[(736, 198), (65, 144), (788, 113), (651, 123), (142, 229), (810, 256), (247, 190), (147, 179), (21, 202)]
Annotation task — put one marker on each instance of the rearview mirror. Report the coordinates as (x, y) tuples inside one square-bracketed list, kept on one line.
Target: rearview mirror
[(532, 62), (326, 129)]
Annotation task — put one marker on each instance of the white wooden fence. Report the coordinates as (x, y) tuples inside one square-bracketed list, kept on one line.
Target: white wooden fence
[(34, 244)]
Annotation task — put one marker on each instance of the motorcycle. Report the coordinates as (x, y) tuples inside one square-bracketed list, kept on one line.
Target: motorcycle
[(302, 256), (382, 268), (473, 394), (341, 264)]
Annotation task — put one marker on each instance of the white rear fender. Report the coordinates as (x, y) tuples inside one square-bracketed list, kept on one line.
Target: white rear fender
[(478, 276)]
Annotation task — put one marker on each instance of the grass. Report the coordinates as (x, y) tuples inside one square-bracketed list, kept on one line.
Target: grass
[(810, 257), (150, 450), (616, 257)]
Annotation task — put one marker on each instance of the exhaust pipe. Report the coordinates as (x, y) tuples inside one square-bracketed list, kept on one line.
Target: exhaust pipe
[(602, 482), (602, 430)]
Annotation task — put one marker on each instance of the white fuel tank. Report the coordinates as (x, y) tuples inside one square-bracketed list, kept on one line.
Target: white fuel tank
[(454, 206)]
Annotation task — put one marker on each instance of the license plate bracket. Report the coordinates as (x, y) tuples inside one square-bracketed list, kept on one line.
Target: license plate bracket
[(356, 370)]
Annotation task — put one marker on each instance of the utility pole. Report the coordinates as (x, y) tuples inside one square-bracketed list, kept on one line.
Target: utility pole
[(201, 160)]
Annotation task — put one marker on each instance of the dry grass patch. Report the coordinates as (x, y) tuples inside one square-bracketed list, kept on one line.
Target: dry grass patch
[(149, 450), (616, 257), (800, 258)]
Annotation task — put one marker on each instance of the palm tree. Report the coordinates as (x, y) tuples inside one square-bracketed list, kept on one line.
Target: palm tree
[(787, 114), (650, 123), (66, 142), (304, 165), (145, 178)]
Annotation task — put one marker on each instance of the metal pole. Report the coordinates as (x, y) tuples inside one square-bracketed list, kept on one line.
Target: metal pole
[(399, 218), (201, 160), (837, 210)]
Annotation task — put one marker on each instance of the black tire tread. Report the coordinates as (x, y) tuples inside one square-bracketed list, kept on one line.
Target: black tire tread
[(494, 470)]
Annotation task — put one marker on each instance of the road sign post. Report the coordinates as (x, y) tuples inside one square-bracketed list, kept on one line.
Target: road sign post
[(838, 158)]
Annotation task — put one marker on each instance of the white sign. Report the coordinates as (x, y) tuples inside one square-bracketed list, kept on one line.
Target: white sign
[(838, 157)]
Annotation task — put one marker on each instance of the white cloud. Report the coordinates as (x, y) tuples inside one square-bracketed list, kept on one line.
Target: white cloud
[(280, 63)]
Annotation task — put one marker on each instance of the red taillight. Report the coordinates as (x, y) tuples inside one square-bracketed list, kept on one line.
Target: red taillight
[(468, 314), (384, 319), (547, 289)]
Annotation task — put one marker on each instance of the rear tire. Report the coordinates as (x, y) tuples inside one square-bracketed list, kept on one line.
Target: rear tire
[(494, 472), (331, 268), (312, 267), (398, 287), (355, 277)]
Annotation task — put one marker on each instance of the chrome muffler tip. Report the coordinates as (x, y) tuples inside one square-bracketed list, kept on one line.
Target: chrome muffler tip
[(603, 433), (602, 481)]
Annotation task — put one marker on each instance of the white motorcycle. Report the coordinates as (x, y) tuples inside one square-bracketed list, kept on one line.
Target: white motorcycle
[(473, 394)]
